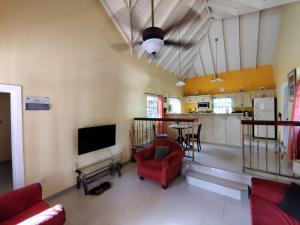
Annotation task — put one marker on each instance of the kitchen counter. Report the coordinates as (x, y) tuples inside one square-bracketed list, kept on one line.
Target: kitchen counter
[(217, 128)]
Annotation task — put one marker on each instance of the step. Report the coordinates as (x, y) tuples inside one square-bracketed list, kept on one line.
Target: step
[(224, 174), (218, 185)]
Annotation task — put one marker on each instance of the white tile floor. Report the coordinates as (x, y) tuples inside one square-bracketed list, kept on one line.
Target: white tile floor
[(231, 158), (134, 202)]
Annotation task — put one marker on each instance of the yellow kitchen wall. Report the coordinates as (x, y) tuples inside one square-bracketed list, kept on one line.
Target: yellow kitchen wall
[(250, 79), (287, 55), (61, 49)]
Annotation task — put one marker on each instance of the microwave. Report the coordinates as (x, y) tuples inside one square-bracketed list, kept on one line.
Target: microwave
[(203, 105)]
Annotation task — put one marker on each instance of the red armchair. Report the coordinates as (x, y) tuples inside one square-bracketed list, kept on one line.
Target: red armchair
[(265, 196), (26, 207), (162, 171)]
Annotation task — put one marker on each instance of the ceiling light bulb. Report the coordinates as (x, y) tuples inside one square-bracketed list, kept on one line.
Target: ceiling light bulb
[(180, 83), (153, 45)]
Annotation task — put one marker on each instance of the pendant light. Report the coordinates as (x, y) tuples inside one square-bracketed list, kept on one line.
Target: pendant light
[(216, 77)]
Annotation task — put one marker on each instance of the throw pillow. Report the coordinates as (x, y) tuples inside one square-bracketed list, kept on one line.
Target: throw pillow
[(161, 152), (291, 201)]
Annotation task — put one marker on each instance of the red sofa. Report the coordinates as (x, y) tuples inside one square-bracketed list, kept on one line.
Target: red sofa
[(25, 206), (264, 198), (162, 171)]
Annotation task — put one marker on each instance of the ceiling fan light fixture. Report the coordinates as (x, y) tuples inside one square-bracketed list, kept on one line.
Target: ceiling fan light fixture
[(153, 45), (180, 83)]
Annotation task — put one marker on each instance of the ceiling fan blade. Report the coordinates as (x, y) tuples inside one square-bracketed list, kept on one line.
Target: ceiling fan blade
[(181, 44), (191, 14)]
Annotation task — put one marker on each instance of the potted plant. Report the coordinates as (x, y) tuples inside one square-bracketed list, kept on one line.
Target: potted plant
[(132, 142)]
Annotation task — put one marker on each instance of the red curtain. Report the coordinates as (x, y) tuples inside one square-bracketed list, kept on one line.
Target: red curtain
[(161, 106), (161, 114), (294, 135)]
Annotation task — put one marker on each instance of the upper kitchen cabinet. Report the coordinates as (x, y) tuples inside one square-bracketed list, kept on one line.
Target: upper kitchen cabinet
[(242, 100), (263, 93), (204, 98), (190, 99)]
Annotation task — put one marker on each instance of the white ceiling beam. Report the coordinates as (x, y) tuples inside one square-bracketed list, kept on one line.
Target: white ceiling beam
[(273, 3), (258, 4), (222, 7), (117, 24)]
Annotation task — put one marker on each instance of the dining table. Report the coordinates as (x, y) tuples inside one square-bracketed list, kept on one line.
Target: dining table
[(180, 127)]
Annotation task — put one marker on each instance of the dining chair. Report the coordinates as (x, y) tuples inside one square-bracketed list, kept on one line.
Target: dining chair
[(159, 135), (194, 137)]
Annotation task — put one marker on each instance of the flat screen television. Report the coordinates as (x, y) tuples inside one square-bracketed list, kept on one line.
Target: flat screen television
[(94, 138)]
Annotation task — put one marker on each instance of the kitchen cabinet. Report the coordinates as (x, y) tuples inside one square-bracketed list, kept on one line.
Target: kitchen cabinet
[(190, 99), (203, 98), (242, 100)]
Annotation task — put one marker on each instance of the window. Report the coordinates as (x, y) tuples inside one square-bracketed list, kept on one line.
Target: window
[(222, 105), (174, 105), (152, 106)]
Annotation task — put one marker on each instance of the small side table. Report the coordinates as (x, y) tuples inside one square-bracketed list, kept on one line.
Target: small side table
[(93, 172)]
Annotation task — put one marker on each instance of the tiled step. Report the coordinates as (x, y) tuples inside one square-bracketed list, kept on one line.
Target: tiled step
[(218, 185)]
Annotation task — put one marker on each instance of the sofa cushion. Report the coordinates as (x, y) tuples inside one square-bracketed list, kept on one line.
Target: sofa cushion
[(27, 213), (264, 212), (161, 152), (291, 202)]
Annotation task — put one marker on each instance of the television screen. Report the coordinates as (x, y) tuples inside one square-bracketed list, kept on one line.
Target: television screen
[(95, 138)]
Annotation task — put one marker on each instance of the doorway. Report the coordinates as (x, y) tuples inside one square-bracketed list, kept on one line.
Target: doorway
[(6, 181), (11, 124)]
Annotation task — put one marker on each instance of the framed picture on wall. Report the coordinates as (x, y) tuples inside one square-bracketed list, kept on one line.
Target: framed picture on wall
[(292, 84)]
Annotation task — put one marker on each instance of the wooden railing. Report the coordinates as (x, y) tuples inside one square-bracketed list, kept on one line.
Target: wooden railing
[(265, 148), (145, 130)]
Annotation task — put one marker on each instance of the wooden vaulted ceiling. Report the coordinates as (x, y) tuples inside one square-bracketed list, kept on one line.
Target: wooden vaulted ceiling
[(247, 31)]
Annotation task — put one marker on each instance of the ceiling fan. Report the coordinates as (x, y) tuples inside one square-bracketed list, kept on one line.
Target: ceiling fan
[(154, 37)]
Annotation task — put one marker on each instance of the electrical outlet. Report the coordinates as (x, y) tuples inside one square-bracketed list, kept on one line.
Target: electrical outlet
[(40, 180), (75, 167)]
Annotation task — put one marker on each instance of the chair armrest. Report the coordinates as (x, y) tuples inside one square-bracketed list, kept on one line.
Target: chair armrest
[(55, 215), (145, 153), (270, 190), (17, 201), (172, 158)]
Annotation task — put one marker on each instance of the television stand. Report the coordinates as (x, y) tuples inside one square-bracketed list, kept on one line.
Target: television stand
[(95, 171)]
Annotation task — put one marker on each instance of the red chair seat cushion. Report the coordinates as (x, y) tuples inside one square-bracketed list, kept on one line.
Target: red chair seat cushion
[(27, 213), (152, 169), (265, 212)]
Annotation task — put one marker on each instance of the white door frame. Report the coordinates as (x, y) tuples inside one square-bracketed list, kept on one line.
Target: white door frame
[(16, 133)]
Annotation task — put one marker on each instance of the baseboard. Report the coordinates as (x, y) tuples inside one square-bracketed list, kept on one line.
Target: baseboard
[(51, 197), (64, 191)]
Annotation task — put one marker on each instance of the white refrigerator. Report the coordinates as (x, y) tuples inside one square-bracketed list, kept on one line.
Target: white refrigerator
[(264, 109)]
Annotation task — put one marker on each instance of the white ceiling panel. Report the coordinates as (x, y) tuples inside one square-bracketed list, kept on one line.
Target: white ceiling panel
[(249, 25), (247, 31), (268, 33), (206, 56), (216, 31), (232, 42)]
